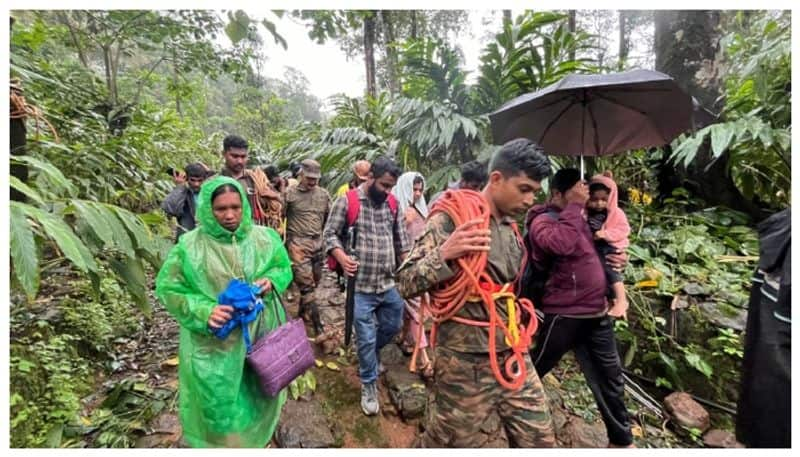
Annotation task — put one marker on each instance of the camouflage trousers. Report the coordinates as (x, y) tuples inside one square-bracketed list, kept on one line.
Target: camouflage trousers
[(306, 256), (466, 393)]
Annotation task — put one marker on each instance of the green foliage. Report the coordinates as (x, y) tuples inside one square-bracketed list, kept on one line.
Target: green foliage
[(128, 406), (431, 70), (672, 249), (529, 54), (48, 379), (303, 384), (54, 352), (85, 232), (756, 132)]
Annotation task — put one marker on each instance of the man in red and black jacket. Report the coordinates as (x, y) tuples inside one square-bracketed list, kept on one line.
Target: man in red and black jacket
[(574, 303)]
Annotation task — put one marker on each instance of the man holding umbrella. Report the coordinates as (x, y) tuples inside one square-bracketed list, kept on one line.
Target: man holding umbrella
[(574, 303), (587, 115)]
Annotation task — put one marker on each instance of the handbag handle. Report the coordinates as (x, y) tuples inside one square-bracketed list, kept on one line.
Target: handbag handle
[(277, 299)]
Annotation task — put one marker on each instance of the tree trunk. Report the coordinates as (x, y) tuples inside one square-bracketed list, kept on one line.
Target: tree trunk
[(572, 27), (687, 48), (175, 82), (391, 52), (413, 24), (369, 52), (65, 19), (506, 17), (624, 45), (107, 63), (17, 138)]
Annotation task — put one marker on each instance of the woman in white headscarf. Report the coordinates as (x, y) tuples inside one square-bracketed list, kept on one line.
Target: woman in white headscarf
[(411, 202)]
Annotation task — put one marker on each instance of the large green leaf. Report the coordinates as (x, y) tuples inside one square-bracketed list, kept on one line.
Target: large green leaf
[(137, 230), (53, 175), (58, 230), (23, 251), (132, 272), (95, 220), (721, 136), (238, 26), (122, 240), (26, 189)]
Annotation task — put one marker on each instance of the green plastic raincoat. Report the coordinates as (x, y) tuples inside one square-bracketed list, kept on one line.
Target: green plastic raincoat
[(221, 404)]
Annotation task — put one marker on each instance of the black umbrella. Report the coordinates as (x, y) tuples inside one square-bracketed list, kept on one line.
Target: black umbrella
[(597, 114)]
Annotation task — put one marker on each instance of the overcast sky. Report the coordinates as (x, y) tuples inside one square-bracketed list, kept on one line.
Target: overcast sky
[(329, 71), (327, 68)]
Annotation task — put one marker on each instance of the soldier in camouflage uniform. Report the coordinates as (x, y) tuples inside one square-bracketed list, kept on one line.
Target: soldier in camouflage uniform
[(465, 391), (307, 206)]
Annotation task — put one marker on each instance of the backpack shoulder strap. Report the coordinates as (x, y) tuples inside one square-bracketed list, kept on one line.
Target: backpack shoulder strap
[(392, 201), (353, 206)]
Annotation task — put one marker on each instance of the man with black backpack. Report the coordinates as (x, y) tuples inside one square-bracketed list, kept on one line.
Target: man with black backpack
[(381, 242), (568, 275)]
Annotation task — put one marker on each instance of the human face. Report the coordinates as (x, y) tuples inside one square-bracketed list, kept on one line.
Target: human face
[(235, 159), (378, 188), (512, 196), (227, 209), (195, 182), (310, 183), (417, 192), (598, 200)]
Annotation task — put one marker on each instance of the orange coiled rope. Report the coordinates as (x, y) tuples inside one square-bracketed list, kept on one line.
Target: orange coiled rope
[(463, 206)]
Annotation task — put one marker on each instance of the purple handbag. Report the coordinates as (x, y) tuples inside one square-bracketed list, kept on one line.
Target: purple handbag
[(281, 355)]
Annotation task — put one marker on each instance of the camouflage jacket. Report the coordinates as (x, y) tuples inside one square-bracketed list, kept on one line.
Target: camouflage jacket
[(424, 269)]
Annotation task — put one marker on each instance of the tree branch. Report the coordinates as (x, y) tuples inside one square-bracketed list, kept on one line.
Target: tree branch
[(141, 81), (74, 36), (118, 32)]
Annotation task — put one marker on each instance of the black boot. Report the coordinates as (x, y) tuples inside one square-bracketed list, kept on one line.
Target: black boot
[(316, 322)]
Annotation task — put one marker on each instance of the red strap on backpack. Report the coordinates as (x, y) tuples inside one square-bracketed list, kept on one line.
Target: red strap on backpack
[(353, 208)]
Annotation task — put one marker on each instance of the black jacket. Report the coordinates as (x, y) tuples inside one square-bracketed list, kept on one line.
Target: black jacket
[(180, 205)]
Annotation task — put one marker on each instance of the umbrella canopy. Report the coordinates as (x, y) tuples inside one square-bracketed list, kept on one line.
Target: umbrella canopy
[(597, 114)]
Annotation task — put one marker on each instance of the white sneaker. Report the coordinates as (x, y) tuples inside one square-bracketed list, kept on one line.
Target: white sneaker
[(369, 399)]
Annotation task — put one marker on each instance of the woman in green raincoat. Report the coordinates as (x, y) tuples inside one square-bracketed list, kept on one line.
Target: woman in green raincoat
[(221, 404)]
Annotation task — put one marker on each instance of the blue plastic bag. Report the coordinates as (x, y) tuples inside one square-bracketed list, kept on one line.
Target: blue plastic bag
[(243, 297)]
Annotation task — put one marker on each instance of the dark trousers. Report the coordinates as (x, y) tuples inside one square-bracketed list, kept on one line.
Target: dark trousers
[(595, 348)]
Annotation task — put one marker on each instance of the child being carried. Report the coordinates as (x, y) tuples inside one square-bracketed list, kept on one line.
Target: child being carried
[(610, 228)]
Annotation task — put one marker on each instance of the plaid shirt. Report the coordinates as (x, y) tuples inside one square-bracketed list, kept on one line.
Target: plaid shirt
[(380, 238)]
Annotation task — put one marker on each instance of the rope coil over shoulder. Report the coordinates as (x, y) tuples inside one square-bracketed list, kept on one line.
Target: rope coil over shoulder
[(472, 283)]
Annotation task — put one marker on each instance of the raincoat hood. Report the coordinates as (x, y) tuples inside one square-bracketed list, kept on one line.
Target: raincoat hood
[(205, 216)]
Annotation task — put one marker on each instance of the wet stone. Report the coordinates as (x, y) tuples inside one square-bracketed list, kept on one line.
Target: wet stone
[(694, 288), (721, 439), (686, 412), (303, 425), (723, 315), (406, 391), (391, 354), (584, 435)]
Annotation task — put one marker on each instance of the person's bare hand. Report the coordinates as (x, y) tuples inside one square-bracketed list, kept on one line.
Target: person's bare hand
[(179, 177), (600, 235), (620, 308), (349, 264), (617, 260), (466, 239), (219, 316), (265, 284)]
